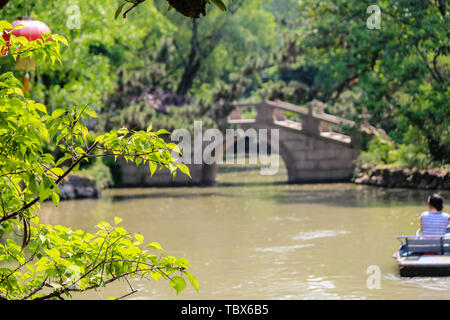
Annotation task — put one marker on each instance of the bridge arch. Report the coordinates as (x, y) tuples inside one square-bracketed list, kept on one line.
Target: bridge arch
[(278, 148)]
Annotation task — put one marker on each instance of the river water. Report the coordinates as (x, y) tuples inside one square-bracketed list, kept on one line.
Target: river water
[(256, 237)]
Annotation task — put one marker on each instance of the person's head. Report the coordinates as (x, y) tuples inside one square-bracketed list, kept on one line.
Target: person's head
[(435, 201)]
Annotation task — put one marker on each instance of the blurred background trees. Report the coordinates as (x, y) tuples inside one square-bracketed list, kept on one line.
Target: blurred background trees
[(157, 66)]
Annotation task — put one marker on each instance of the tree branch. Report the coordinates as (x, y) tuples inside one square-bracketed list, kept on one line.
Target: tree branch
[(33, 202)]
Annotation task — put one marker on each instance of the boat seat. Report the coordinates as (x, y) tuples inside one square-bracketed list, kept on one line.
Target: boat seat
[(422, 245)]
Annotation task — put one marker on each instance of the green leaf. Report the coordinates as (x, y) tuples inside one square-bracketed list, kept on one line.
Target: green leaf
[(52, 253), (119, 9), (184, 168), (123, 131), (139, 238), (60, 38), (91, 113), (219, 4), (61, 160), (155, 275), (162, 131), (40, 107), (80, 150), (5, 25), (178, 283), (57, 171), (155, 245), (58, 112), (153, 166), (193, 280), (55, 198), (182, 262), (44, 192)]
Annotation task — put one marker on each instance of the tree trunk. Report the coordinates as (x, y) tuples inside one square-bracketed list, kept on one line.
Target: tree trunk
[(193, 64), (438, 152), (187, 80)]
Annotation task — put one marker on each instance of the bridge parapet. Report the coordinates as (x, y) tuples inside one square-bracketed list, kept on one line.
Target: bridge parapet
[(312, 121)]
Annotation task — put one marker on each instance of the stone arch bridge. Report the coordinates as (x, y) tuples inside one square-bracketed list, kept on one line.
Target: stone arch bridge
[(312, 146)]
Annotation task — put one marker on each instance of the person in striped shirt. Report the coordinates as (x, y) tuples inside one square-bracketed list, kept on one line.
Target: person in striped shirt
[(434, 222)]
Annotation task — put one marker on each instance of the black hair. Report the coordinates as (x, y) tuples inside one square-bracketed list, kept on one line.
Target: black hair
[(436, 201)]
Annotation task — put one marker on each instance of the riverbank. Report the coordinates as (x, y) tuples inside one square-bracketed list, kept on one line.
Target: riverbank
[(77, 187), (429, 179)]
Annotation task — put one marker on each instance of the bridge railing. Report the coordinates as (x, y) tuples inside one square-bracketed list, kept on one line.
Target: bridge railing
[(311, 120)]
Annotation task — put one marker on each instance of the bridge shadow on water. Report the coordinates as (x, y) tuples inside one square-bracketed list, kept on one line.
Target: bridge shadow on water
[(330, 194), (166, 195), (345, 194)]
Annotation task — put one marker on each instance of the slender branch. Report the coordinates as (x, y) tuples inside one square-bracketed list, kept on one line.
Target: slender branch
[(12, 173), (425, 62), (37, 289), (128, 294), (138, 2), (139, 155), (9, 53), (58, 293), (33, 202), (438, 74)]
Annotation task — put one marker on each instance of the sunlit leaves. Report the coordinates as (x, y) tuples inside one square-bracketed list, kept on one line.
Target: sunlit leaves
[(21, 47), (69, 260), (58, 258), (65, 259), (143, 147)]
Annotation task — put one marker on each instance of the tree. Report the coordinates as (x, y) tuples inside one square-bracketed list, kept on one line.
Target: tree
[(398, 74), (53, 261), (219, 43), (187, 65)]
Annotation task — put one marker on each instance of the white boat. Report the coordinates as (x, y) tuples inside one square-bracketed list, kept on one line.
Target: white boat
[(424, 256)]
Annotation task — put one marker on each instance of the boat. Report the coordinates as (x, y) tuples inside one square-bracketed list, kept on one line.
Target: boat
[(424, 256)]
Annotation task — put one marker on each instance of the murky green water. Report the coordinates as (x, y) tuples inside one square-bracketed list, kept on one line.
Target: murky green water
[(255, 237)]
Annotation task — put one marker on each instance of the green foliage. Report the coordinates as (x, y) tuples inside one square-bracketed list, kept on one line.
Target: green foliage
[(381, 152), (99, 172), (140, 114), (53, 260), (20, 46), (60, 261), (398, 73), (294, 92), (87, 73)]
